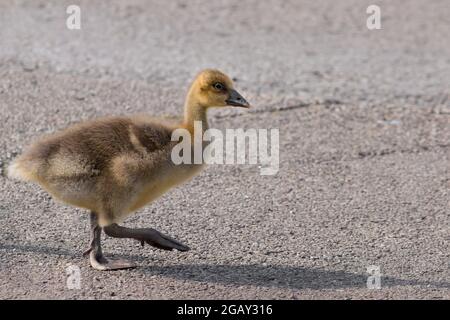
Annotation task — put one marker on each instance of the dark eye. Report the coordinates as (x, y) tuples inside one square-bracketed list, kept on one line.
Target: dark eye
[(218, 86)]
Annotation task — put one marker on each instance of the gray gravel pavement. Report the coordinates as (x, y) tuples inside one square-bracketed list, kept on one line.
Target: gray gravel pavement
[(364, 120)]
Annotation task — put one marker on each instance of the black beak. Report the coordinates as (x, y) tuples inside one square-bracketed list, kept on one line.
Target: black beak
[(237, 100)]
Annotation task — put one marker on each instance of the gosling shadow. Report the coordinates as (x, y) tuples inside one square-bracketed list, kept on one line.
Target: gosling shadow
[(278, 276), (60, 251), (252, 274)]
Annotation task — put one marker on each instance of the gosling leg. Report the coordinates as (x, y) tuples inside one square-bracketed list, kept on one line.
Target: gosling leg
[(96, 258), (145, 235)]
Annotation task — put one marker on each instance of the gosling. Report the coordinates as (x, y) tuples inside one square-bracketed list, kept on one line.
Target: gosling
[(115, 166)]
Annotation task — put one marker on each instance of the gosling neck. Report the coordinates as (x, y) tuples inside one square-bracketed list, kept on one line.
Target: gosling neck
[(194, 111)]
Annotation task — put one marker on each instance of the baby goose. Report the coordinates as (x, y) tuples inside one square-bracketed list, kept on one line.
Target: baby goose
[(114, 166)]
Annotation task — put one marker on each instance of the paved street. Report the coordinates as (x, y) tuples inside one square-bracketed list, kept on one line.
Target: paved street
[(364, 122)]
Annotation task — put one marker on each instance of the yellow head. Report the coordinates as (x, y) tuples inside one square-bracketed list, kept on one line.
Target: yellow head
[(212, 88)]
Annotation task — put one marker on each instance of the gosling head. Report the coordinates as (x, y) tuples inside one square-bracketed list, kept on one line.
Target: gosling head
[(213, 88)]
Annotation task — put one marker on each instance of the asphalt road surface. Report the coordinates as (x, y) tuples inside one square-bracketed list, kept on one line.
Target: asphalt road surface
[(364, 122)]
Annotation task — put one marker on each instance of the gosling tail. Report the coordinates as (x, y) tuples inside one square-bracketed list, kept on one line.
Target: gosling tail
[(18, 170)]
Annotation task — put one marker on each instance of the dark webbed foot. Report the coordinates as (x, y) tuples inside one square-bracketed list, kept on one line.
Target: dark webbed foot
[(96, 258), (101, 263), (146, 235), (161, 241)]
